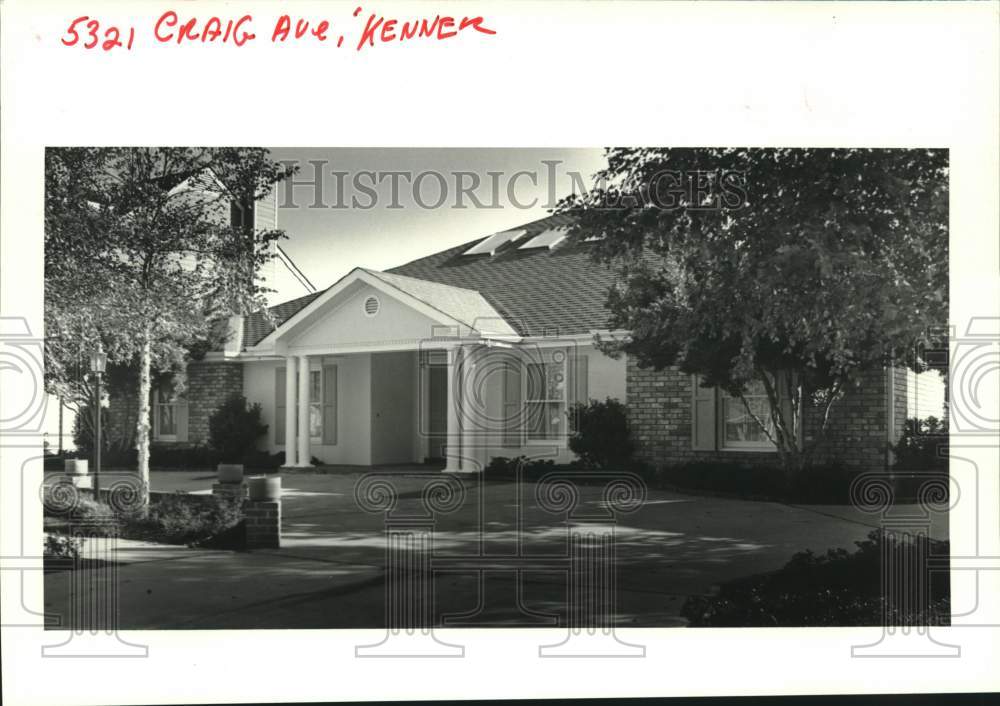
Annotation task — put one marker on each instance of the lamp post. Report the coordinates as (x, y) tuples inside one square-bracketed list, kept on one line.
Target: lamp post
[(98, 363)]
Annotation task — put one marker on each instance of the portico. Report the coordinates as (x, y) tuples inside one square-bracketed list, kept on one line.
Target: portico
[(461, 435), (360, 375)]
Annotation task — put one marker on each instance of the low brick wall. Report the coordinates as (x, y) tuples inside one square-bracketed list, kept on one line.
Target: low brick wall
[(262, 518)]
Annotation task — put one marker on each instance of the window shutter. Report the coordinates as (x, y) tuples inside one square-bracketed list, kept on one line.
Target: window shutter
[(703, 416), (182, 420), (279, 406), (578, 391), (330, 404), (512, 404)]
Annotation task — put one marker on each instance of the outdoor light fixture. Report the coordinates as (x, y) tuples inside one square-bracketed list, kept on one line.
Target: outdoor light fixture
[(98, 360)]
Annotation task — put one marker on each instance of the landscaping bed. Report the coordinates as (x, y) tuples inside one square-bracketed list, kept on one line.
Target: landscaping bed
[(170, 518), (839, 588)]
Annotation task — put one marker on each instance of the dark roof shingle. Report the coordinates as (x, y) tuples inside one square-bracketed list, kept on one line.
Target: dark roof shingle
[(539, 291)]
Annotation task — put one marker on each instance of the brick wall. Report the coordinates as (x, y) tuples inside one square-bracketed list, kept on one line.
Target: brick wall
[(659, 405), (121, 420), (856, 433), (209, 384)]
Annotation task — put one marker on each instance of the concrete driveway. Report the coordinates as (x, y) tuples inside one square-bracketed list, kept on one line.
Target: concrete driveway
[(499, 558)]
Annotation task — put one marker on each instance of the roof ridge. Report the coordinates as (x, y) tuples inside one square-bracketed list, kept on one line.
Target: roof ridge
[(421, 279)]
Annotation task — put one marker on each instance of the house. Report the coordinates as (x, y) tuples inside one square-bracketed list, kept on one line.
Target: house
[(479, 351)]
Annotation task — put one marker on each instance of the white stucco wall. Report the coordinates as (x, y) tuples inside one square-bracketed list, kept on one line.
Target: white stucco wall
[(353, 445), (605, 378), (348, 324)]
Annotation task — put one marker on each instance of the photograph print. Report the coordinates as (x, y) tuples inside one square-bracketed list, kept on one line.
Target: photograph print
[(422, 388)]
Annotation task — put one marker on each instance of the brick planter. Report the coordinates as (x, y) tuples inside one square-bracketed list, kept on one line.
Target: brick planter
[(263, 524)]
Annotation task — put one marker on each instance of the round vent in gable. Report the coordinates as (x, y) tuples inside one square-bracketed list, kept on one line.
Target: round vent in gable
[(371, 306)]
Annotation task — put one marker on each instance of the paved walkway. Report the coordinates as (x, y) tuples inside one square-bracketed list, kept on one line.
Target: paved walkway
[(330, 570)]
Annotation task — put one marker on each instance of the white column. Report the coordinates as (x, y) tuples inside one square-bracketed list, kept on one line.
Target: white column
[(452, 442), (467, 376), (291, 440), (304, 455)]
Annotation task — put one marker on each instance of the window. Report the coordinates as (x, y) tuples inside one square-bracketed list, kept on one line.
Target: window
[(167, 416), (168, 413), (723, 423), (739, 428), (545, 399), (316, 404)]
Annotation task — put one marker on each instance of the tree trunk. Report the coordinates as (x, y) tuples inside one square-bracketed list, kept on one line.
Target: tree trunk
[(60, 425), (142, 424)]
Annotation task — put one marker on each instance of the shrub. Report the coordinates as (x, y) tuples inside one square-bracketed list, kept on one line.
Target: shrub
[(501, 467), (917, 448), (234, 428), (61, 546), (90, 510), (83, 430), (838, 588), (264, 461), (182, 519), (822, 484), (165, 456), (178, 518), (602, 438)]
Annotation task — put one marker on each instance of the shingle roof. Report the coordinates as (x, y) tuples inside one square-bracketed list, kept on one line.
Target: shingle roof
[(256, 326), (466, 306), (560, 291), (538, 291)]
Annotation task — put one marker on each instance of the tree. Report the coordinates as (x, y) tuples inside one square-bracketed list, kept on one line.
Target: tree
[(795, 268), (142, 254)]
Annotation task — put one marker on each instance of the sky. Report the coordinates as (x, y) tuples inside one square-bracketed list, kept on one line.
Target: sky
[(381, 208)]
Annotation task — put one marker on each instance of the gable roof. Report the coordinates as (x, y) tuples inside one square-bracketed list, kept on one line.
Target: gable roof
[(537, 291)]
